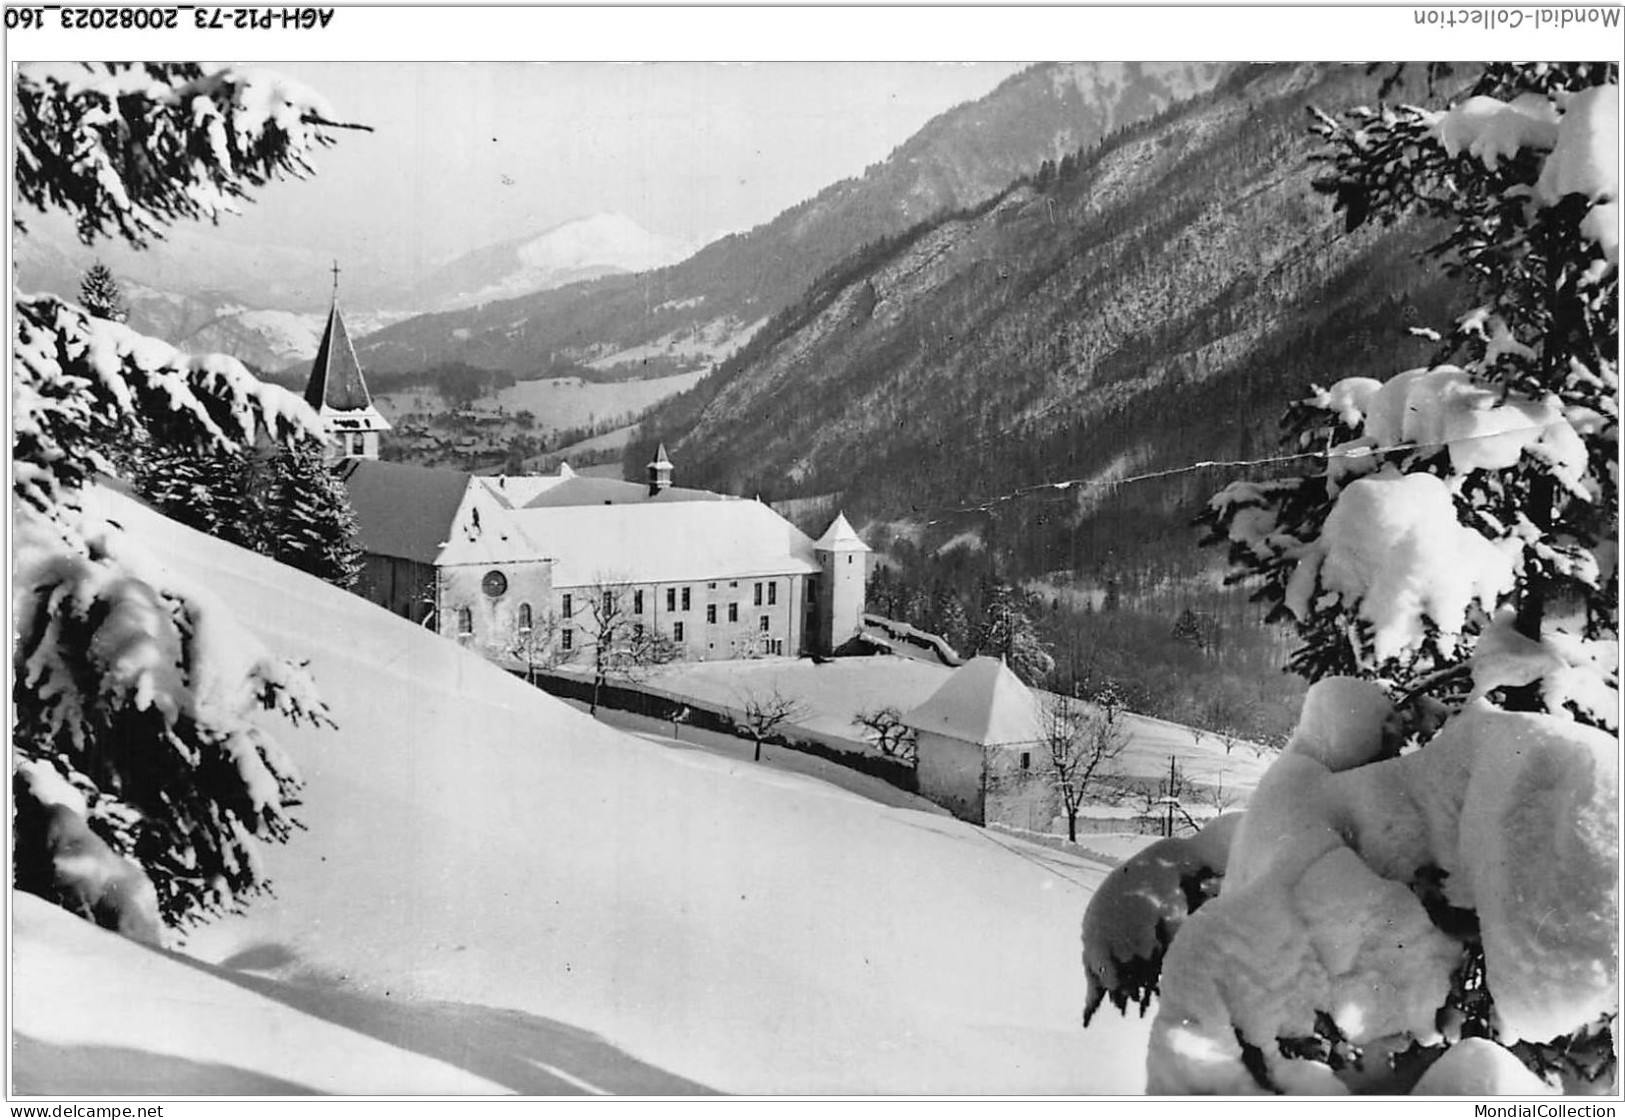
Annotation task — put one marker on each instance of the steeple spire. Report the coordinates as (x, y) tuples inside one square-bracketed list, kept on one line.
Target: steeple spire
[(338, 391), (335, 377)]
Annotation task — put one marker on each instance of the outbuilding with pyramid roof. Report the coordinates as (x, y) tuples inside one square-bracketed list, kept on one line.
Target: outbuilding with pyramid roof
[(980, 747)]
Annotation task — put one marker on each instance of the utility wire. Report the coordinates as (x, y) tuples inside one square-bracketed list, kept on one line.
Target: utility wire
[(986, 505)]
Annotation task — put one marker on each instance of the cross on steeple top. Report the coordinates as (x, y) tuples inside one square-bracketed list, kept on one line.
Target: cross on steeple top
[(335, 279)]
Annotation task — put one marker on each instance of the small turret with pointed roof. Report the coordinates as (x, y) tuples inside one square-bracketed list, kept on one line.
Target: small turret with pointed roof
[(841, 537), (843, 584), (338, 391), (660, 468)]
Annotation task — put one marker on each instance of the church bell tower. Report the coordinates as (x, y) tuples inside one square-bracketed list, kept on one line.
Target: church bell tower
[(338, 392)]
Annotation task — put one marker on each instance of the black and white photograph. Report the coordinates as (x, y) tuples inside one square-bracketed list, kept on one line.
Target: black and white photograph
[(678, 553)]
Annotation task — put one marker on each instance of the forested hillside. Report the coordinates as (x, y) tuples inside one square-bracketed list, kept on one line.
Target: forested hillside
[(1132, 310), (1091, 322), (959, 159)]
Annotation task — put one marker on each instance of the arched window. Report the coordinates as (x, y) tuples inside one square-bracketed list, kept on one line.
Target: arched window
[(465, 621), (524, 616)]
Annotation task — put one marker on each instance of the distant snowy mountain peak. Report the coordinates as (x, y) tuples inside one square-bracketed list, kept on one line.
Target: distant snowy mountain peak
[(602, 239), (601, 244)]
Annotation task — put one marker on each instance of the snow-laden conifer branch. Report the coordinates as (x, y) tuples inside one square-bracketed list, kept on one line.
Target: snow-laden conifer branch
[(1456, 549), (135, 693), (140, 689), (129, 149), (78, 380)]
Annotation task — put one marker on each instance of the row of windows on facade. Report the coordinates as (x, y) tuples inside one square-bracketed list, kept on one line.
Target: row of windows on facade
[(765, 592), (495, 584), (465, 622)]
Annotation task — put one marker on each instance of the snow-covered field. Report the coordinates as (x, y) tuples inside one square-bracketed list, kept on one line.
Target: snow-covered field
[(556, 402), (99, 1014), (569, 402), (474, 842), (711, 342), (834, 692)]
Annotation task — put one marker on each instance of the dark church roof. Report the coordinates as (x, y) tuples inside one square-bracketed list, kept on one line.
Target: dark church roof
[(583, 490), (335, 378), (403, 510)]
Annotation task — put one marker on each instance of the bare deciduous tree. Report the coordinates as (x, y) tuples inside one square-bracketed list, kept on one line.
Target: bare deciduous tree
[(1082, 741), (617, 640), (1220, 799), (884, 727), (534, 642), (1168, 800), (761, 715)]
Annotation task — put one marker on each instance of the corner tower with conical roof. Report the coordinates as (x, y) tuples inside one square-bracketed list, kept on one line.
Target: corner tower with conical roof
[(338, 392), (844, 573)]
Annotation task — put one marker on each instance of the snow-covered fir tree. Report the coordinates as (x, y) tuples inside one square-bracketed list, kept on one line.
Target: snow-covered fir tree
[(952, 621), (286, 504), (1008, 632), (312, 524), (1421, 894), (100, 294), (136, 695), (210, 489)]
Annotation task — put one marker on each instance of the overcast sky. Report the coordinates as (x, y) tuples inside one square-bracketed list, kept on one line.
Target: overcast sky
[(467, 154)]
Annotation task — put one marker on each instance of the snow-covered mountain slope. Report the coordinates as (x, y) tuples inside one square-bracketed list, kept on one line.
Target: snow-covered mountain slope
[(212, 323), (189, 261), (473, 840), (598, 245), (265, 306)]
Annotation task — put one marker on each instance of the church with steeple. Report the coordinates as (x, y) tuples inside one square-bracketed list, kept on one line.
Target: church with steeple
[(495, 561), (338, 392)]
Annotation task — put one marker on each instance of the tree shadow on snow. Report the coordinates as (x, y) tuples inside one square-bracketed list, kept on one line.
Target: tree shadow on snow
[(529, 1054), (45, 1069)]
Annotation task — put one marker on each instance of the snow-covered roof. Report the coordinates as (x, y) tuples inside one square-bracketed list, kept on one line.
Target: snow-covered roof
[(841, 537), (982, 702), (584, 490), (336, 387), (485, 531), (592, 528), (521, 489), (656, 542)]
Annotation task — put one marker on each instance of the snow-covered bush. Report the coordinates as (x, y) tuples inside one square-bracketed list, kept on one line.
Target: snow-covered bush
[(1434, 856), (1359, 886), (135, 692)]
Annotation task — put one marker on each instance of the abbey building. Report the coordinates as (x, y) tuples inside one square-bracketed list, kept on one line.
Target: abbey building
[(527, 567)]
